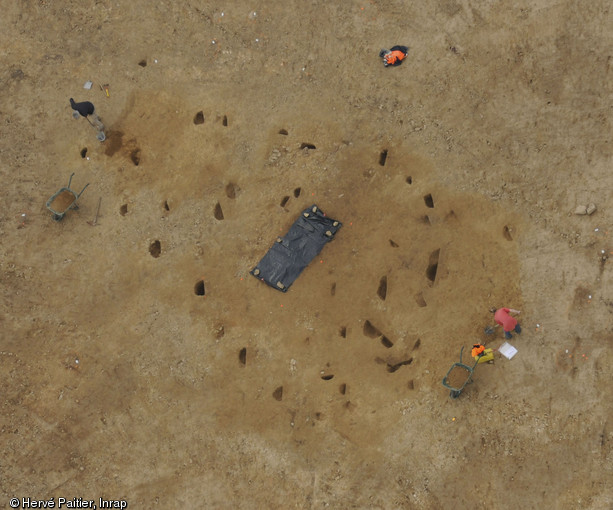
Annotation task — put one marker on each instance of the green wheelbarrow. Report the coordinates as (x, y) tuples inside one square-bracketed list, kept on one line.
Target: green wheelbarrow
[(63, 200), (458, 376)]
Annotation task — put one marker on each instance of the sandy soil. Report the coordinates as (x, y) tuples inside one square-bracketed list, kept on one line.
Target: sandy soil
[(141, 361)]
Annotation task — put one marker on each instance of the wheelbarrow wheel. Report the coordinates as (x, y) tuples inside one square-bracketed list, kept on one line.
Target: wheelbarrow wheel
[(454, 393), (58, 217)]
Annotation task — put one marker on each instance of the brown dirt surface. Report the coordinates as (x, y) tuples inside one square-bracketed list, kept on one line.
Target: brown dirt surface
[(455, 176), (61, 202), (457, 377)]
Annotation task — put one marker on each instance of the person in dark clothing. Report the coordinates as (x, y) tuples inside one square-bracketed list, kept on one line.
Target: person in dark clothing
[(84, 109), (395, 56), (87, 110)]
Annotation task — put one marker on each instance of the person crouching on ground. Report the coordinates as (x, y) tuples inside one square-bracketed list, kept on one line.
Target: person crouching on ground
[(395, 56), (481, 354), (508, 323), (87, 110)]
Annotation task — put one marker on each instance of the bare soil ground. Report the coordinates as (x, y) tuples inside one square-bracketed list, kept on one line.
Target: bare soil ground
[(455, 175)]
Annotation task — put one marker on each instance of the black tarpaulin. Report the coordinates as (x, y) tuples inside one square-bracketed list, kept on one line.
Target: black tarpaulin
[(287, 258)]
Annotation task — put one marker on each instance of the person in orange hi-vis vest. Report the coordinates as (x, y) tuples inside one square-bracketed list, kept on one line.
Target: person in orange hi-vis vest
[(481, 354), (395, 56)]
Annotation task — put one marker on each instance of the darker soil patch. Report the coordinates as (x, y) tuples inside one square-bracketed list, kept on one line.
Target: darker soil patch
[(113, 143)]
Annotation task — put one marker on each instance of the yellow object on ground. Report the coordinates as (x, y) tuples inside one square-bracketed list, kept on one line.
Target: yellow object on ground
[(488, 355)]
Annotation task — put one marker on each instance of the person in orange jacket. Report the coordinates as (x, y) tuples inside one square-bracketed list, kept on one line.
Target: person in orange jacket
[(395, 56), (481, 354)]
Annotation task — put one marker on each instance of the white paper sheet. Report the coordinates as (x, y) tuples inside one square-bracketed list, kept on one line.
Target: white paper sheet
[(507, 350)]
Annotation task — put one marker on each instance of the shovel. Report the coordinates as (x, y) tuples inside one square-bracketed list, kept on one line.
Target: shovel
[(95, 222), (490, 329)]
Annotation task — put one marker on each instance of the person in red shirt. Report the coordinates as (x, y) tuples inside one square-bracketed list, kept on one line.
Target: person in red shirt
[(395, 56), (508, 323)]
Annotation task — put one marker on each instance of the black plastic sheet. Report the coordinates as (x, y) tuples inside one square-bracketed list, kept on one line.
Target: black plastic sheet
[(288, 257)]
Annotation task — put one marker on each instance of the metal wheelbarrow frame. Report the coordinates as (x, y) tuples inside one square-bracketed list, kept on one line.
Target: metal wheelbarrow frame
[(58, 215), (455, 392)]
